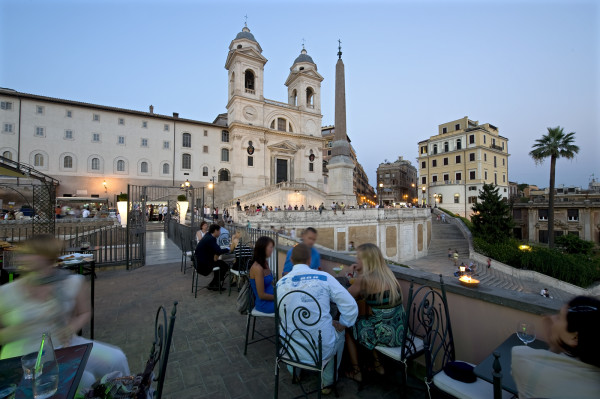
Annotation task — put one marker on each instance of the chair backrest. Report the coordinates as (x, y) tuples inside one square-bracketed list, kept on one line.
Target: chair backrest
[(429, 318), (297, 314)]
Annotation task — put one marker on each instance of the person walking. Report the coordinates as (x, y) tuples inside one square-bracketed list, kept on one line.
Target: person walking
[(321, 207), (455, 256), (443, 218)]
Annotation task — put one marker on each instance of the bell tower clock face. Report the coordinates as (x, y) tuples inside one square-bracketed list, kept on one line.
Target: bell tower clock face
[(249, 113)]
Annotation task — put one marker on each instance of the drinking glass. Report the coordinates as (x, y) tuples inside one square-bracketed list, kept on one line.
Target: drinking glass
[(337, 270), (526, 332)]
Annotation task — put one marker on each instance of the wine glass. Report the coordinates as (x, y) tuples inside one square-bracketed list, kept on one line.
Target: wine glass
[(526, 332), (337, 270)]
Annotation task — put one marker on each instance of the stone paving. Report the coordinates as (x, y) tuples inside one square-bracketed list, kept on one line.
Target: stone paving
[(206, 359)]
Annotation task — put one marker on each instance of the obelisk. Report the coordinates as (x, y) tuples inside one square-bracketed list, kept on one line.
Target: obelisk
[(341, 166)]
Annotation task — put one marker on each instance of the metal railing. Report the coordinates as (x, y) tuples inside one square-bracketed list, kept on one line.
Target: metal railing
[(284, 185)]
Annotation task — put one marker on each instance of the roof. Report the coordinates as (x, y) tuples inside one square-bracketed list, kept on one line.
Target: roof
[(245, 34), (303, 57)]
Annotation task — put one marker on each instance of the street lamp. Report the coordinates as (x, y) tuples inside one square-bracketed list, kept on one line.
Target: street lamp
[(423, 191), (105, 185), (380, 197)]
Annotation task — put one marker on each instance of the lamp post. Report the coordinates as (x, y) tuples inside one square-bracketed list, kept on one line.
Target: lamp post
[(380, 198), (105, 186), (423, 191), (187, 187)]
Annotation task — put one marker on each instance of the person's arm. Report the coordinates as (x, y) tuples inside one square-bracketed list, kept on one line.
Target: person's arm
[(317, 260), (256, 273), (288, 264), (354, 289), (82, 314), (344, 301)]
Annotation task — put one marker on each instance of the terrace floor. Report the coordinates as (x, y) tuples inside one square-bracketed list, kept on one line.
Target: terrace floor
[(206, 359)]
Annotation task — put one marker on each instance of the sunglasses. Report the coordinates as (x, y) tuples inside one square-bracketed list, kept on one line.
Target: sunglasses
[(582, 309)]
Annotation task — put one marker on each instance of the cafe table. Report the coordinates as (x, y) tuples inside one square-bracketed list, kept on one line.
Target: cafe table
[(71, 364), (86, 267), (484, 369)]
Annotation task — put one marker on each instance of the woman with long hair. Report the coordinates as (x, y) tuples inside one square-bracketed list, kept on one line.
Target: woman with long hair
[(202, 231), (381, 323), (261, 279)]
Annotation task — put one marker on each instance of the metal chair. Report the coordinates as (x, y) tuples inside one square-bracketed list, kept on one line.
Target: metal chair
[(253, 314), (243, 257), (187, 250), (196, 275), (298, 344)]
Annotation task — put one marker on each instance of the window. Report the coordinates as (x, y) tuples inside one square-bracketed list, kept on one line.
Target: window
[(120, 165), (186, 140), (458, 144), (69, 114), (281, 124), (6, 105), (457, 126), (458, 176), (446, 147), (68, 134), (121, 121), (39, 110), (434, 178), (543, 236), (573, 215), (7, 155), (206, 133), (503, 178), (444, 130), (225, 136), (472, 200), (38, 160), (249, 81), (458, 159), (446, 177), (472, 157), (503, 162), (472, 139), (494, 161), (496, 178), (435, 148), (484, 157), (96, 137), (310, 97), (205, 149), (96, 117), (166, 127), (503, 146), (144, 124), (95, 164), (144, 167), (424, 149), (205, 171), (186, 161), (473, 188), (456, 198), (423, 165), (224, 155), (223, 175), (39, 131), (121, 140), (434, 163), (144, 143), (484, 139), (166, 145), (517, 214), (424, 180), (472, 175), (68, 162), (8, 128), (485, 175), (446, 161), (493, 142), (250, 161), (165, 169), (311, 167)]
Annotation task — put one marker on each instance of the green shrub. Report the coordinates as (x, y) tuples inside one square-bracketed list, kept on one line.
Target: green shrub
[(578, 269), (181, 197), (122, 197), (572, 244)]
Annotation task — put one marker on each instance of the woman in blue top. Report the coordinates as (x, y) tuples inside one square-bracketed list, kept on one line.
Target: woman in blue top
[(261, 279)]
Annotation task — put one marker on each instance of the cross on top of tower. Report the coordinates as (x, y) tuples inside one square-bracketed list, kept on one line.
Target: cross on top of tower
[(246, 20), (339, 49), (303, 43)]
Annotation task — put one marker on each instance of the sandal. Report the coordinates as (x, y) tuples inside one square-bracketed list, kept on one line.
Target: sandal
[(378, 366), (354, 374)]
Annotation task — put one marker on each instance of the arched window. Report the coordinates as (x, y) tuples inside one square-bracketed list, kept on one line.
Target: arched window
[(68, 162), (281, 124), (186, 161), (294, 99), (165, 169), (223, 175), (38, 160), (458, 144), (249, 81), (7, 154), (273, 124), (205, 171), (224, 155), (187, 140), (435, 150), (95, 164), (120, 165), (144, 167), (310, 97)]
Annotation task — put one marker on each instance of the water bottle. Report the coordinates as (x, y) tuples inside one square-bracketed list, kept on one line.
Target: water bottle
[(45, 376)]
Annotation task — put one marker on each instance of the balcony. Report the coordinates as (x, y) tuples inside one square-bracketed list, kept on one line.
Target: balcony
[(250, 91), (496, 147), (447, 182)]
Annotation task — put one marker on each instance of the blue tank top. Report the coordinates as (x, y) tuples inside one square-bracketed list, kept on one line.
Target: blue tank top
[(260, 304)]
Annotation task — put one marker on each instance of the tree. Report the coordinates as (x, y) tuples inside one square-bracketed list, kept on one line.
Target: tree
[(491, 219), (556, 144)]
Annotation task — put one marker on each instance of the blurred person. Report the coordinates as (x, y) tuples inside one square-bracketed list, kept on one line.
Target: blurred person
[(308, 237)]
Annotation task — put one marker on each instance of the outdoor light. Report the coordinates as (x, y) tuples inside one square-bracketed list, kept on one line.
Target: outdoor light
[(462, 269), (380, 184), (524, 247), (210, 185), (105, 185), (467, 281)]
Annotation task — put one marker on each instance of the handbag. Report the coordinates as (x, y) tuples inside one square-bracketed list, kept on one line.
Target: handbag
[(244, 302)]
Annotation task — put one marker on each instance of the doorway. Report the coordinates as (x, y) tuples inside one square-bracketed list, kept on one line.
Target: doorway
[(282, 170)]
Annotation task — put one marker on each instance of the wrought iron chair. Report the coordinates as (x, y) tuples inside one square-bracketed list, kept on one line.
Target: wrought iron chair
[(297, 343), (196, 275), (187, 250), (253, 314), (242, 259)]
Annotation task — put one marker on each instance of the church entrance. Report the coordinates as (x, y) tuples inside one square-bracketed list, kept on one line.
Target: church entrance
[(282, 170)]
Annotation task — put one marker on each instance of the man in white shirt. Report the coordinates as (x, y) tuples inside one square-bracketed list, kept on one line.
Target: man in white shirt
[(85, 213), (325, 289)]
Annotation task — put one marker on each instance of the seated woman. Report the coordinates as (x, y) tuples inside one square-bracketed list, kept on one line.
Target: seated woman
[(261, 279), (381, 322), (571, 367), (241, 249), (203, 230), (47, 299)]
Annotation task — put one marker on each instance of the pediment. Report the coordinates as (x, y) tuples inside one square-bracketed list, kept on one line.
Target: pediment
[(245, 52), (283, 146), (306, 74)]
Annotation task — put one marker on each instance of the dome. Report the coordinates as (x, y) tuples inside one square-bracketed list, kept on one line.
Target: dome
[(304, 57), (245, 34)]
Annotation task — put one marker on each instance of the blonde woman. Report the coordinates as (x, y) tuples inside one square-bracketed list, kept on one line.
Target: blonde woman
[(382, 321)]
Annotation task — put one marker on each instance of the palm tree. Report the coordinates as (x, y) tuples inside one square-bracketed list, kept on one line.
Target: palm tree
[(556, 144)]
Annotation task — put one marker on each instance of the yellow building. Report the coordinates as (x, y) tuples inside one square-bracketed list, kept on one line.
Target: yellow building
[(456, 162)]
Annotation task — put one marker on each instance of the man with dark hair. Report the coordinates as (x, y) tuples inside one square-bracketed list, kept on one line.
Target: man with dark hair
[(206, 253), (325, 289), (224, 239), (308, 237)]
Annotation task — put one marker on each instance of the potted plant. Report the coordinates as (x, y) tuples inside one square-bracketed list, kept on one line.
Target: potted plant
[(182, 206), (122, 207)]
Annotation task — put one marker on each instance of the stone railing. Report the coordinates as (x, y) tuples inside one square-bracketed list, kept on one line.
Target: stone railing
[(284, 185)]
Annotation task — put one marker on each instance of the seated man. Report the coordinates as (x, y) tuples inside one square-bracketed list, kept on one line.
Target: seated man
[(571, 368), (206, 253), (325, 288), (308, 237)]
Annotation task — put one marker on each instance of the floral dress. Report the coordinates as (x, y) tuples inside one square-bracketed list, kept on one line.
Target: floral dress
[(383, 327)]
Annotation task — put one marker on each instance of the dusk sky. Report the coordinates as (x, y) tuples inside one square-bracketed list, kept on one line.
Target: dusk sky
[(522, 66)]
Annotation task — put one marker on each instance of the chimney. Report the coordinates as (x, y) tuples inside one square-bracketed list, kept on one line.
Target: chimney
[(175, 114), (151, 109)]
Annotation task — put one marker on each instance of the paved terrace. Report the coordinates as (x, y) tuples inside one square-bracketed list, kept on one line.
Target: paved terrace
[(206, 359)]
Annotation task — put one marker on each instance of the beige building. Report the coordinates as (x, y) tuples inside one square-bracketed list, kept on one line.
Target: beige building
[(456, 162), (396, 182)]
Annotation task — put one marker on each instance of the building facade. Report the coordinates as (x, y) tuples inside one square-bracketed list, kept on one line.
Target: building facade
[(396, 182), (456, 162)]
